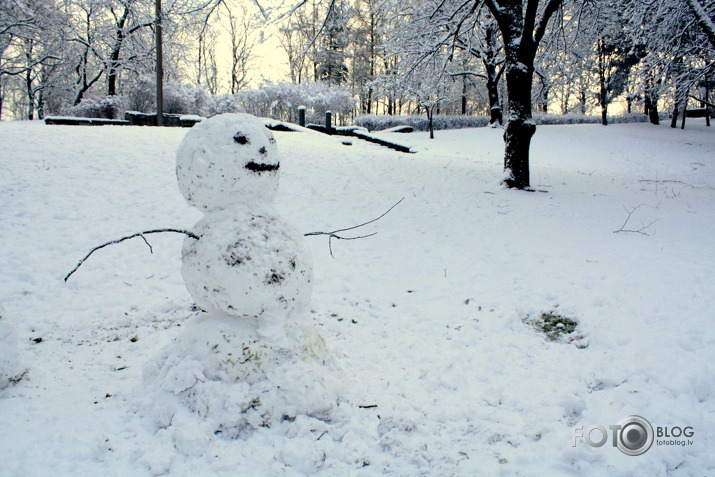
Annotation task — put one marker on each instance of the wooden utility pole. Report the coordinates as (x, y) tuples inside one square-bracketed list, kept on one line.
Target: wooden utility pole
[(159, 69)]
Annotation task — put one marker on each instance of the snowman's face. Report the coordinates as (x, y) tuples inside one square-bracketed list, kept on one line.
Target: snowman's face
[(227, 160)]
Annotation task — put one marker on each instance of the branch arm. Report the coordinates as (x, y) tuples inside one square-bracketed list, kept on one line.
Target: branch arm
[(139, 234)]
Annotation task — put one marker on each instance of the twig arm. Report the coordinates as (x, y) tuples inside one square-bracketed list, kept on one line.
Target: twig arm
[(139, 234), (334, 234)]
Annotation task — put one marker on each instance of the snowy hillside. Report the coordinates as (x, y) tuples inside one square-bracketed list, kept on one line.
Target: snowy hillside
[(431, 321)]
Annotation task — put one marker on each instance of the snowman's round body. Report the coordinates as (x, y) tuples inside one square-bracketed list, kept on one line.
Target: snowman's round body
[(248, 264), (254, 356)]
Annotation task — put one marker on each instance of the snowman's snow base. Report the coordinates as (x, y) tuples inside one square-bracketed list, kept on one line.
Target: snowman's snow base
[(226, 378)]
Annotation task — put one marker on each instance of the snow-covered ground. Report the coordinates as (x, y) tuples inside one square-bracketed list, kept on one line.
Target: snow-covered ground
[(426, 320)]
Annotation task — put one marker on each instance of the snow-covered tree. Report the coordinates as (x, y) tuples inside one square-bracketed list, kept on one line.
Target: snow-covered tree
[(31, 40), (679, 53), (239, 27), (331, 58), (704, 12), (369, 31), (522, 26), (281, 100), (616, 53)]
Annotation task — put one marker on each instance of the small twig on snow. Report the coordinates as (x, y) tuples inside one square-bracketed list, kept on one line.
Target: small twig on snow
[(628, 218), (140, 234), (334, 234)]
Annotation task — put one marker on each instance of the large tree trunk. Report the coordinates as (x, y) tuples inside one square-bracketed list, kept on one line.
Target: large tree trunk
[(520, 127), (521, 33)]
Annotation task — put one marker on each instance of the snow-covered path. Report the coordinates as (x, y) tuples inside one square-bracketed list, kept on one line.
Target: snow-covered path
[(426, 319)]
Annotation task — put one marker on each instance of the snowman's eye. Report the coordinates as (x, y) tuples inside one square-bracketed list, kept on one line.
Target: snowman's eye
[(241, 139)]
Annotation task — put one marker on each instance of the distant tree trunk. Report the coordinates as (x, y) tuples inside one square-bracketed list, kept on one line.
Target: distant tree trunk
[(114, 64), (28, 82), (2, 89), (495, 111), (651, 107), (604, 114), (582, 101), (603, 91), (680, 94), (430, 123), (464, 95), (685, 108), (493, 75), (30, 98), (41, 105)]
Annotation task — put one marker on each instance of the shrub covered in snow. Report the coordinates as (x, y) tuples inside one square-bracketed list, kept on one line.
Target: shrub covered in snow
[(281, 101), (179, 98), (374, 122), (107, 107), (379, 123), (142, 95), (221, 104), (543, 118)]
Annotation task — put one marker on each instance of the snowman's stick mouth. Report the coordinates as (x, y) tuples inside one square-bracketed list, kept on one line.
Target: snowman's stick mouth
[(257, 167)]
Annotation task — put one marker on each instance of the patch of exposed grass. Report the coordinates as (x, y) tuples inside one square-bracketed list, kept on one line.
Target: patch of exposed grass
[(556, 327)]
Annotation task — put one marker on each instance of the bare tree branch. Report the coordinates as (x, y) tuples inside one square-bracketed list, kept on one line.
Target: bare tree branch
[(628, 218)]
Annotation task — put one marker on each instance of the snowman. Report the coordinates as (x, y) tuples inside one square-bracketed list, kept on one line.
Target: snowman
[(248, 261), (253, 356)]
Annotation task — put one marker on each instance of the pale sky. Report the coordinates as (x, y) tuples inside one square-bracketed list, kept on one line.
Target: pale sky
[(270, 60)]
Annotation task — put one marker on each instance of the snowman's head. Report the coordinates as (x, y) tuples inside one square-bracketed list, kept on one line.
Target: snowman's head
[(226, 160)]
